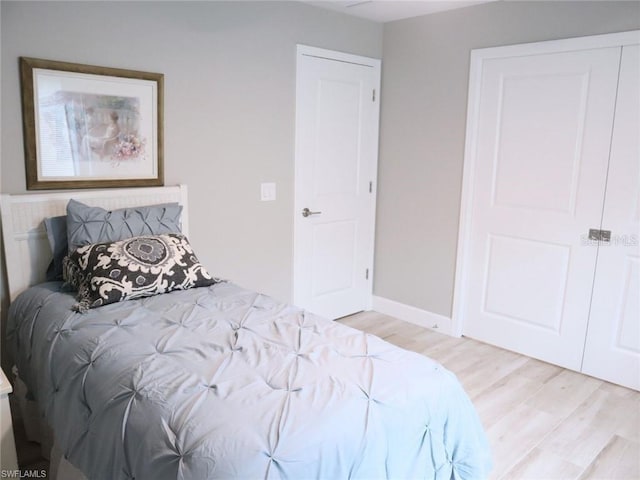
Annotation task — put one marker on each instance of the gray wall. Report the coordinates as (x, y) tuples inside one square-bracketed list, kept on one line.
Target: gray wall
[(425, 73), (229, 106)]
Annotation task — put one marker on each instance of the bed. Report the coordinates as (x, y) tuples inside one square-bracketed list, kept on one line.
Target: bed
[(218, 381)]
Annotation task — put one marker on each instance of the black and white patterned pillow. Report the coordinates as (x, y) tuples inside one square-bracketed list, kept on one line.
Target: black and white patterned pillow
[(136, 267)]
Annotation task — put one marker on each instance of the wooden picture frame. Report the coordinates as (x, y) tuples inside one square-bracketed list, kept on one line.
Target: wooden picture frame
[(91, 127)]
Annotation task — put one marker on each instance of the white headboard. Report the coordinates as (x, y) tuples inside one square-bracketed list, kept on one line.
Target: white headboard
[(26, 248)]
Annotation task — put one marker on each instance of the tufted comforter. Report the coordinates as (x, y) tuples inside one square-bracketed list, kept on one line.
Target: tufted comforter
[(221, 382)]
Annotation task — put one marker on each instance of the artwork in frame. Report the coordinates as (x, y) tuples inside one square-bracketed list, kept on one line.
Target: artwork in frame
[(91, 127)]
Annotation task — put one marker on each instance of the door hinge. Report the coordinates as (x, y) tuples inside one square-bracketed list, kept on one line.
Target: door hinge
[(373, 95), (366, 275), (370, 187)]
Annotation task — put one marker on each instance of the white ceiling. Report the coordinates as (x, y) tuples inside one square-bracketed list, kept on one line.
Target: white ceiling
[(390, 10)]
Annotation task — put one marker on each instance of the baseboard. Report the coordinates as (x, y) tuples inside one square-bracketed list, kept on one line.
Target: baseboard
[(417, 316)]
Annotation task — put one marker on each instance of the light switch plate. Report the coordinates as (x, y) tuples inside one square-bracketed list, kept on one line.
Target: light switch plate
[(267, 192)]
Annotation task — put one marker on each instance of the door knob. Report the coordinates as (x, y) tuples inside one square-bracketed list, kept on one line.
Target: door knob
[(599, 235), (306, 212)]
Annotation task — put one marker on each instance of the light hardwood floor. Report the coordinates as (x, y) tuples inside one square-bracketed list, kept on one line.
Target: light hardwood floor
[(543, 422)]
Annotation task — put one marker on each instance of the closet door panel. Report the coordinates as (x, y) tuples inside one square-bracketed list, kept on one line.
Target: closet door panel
[(612, 350), (543, 136)]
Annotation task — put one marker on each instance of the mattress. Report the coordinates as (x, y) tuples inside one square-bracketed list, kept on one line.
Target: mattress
[(223, 382)]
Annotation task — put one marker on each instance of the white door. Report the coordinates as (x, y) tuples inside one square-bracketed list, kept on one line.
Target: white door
[(539, 170), (336, 162), (612, 350)]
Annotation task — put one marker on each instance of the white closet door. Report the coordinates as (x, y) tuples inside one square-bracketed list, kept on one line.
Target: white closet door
[(612, 349), (542, 147)]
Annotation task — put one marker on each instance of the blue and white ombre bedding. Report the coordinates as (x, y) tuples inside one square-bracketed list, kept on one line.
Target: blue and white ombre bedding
[(221, 382)]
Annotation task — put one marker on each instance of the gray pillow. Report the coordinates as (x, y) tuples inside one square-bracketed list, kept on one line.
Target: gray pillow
[(56, 228), (87, 225)]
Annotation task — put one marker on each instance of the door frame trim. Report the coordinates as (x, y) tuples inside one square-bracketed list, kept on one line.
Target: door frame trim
[(375, 64), (477, 59)]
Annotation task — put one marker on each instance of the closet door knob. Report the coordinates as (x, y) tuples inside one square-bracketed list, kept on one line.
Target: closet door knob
[(599, 235)]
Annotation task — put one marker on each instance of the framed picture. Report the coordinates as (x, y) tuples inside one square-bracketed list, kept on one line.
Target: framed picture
[(91, 127)]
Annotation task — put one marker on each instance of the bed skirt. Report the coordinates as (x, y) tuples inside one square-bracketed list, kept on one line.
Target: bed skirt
[(37, 430)]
